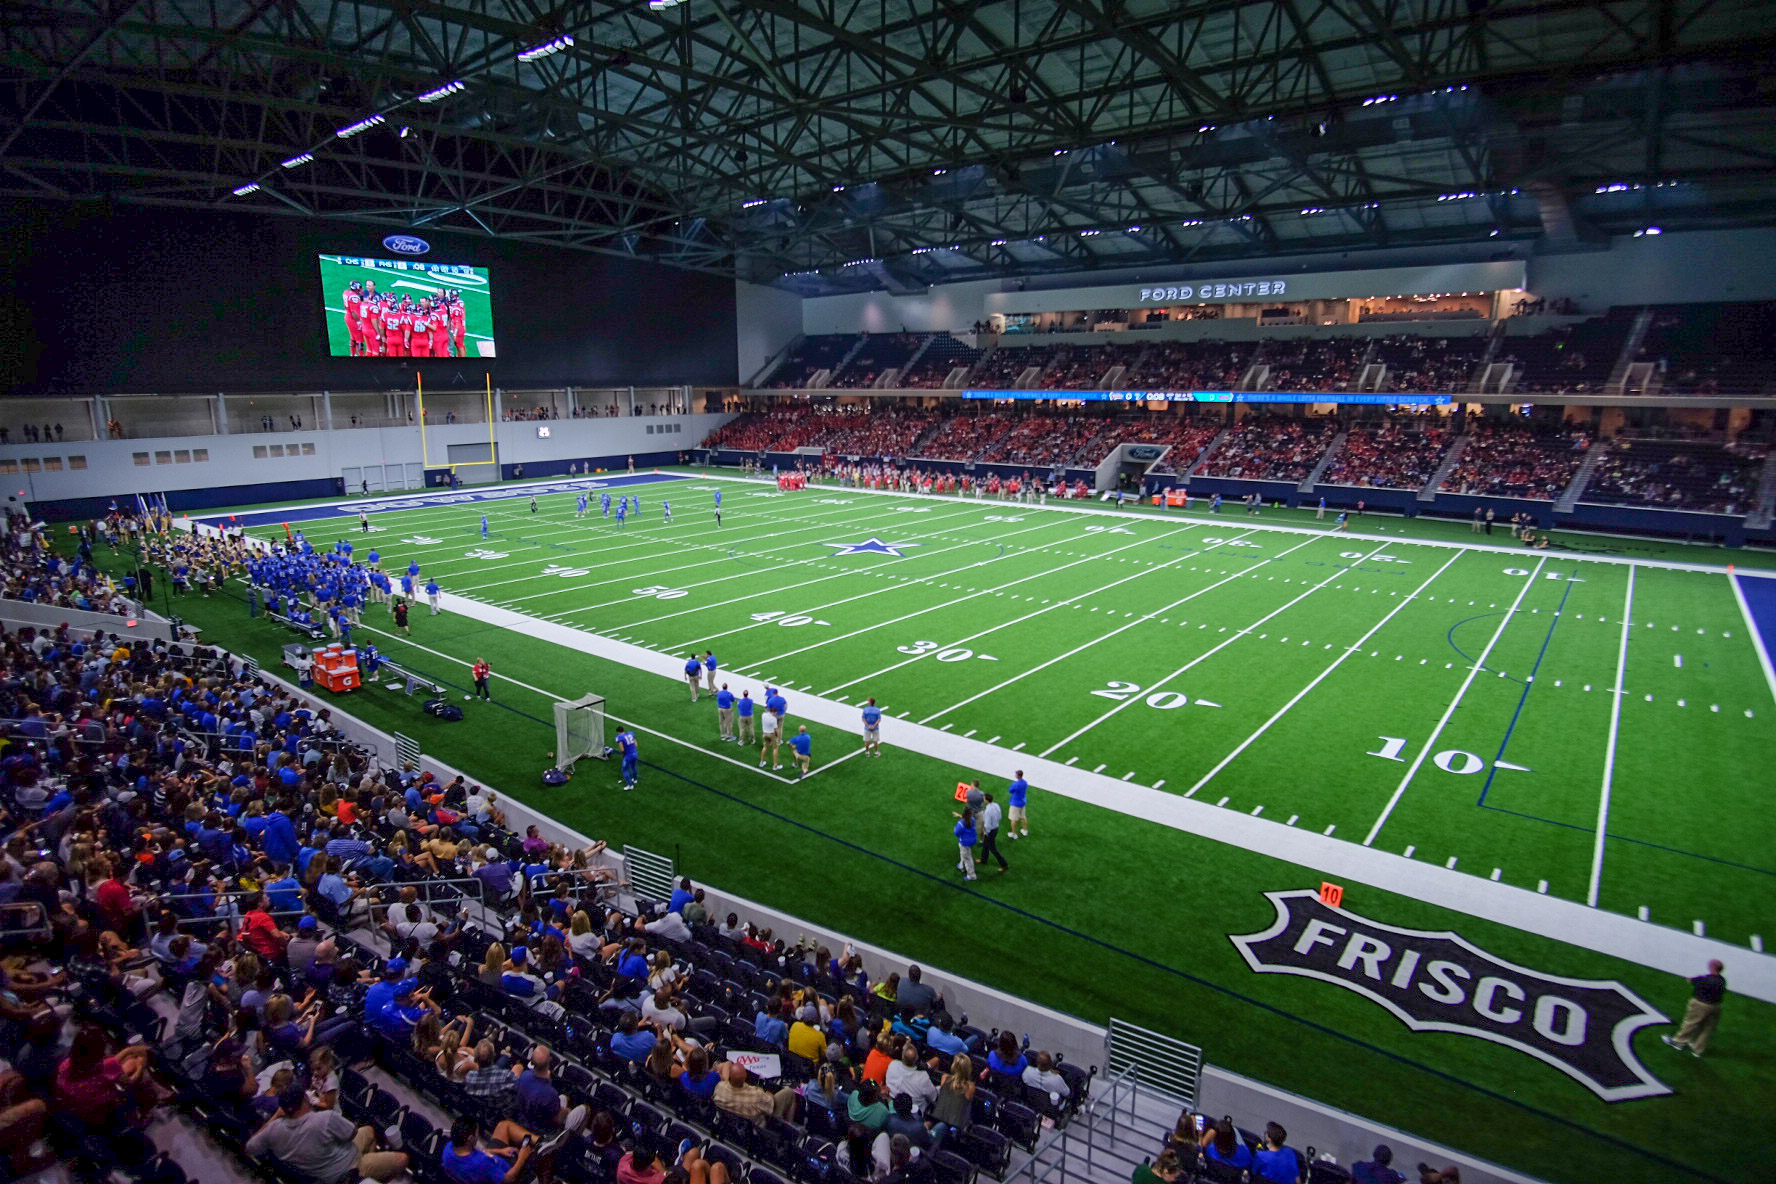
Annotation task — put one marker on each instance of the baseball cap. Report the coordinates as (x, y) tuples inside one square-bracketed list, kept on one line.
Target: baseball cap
[(307, 924), (520, 955), (395, 969)]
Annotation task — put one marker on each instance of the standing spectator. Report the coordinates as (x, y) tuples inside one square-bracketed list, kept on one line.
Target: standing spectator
[(990, 817), (482, 672), (1702, 1013), (1275, 1162)]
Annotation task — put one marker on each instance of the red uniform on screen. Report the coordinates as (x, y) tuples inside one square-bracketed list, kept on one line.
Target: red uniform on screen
[(458, 321), (421, 345), (372, 322), (354, 327), (440, 319), (395, 324)]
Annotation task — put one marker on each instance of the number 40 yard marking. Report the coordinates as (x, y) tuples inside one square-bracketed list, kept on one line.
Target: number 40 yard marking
[(1450, 760)]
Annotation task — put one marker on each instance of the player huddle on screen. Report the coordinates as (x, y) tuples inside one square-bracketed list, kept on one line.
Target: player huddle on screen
[(382, 325)]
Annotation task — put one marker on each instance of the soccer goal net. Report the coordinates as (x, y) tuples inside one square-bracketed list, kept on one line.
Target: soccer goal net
[(579, 730)]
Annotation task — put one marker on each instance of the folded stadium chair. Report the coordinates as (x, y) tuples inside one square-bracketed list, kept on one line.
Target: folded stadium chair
[(796, 1069), (986, 1105), (609, 1096), (736, 1130), (722, 1153), (678, 1132), (780, 1142), (382, 1109), (824, 1122), (813, 1160), (1322, 1172), (576, 1080), (645, 1117), (1020, 1123), (950, 1168), (425, 1155), (987, 1149), (1220, 1173)]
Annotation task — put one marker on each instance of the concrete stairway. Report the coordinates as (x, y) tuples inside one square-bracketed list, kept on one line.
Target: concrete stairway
[(1332, 450), (1570, 497), (1450, 460)]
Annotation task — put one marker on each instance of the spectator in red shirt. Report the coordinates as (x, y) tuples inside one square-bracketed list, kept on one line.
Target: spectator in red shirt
[(261, 934), (118, 909), (94, 1088)]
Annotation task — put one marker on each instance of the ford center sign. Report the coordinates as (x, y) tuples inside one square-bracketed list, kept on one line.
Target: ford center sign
[(406, 244), (1437, 982)]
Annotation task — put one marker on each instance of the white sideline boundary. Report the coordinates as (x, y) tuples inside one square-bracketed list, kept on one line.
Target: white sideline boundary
[(1669, 950)]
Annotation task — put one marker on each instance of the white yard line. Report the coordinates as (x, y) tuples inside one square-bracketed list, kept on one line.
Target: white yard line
[(651, 575), (1318, 679), (1145, 617), (1041, 575), (460, 609), (1455, 703), (1673, 951), (839, 575), (1028, 616), (1617, 694), (1140, 695), (1757, 639)]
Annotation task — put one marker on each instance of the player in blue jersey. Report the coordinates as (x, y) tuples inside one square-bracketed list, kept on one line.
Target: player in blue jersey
[(407, 587), (431, 591), (872, 728), (724, 711), (580, 512), (666, 509), (607, 505), (693, 674), (635, 505), (375, 560), (776, 704), (631, 758), (483, 526), (1017, 822), (622, 513), (744, 711), (413, 568), (802, 745), (710, 666)]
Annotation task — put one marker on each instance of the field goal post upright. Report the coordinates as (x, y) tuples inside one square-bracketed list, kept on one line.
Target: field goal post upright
[(579, 730), (425, 454)]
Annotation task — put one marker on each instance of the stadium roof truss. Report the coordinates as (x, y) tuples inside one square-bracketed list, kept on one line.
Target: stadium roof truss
[(833, 145)]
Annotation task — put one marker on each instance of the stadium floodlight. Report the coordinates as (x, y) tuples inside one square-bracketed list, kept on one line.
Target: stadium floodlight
[(249, 187), (295, 161), (1649, 230), (362, 125), (663, 5), (443, 92), (753, 204), (552, 46)]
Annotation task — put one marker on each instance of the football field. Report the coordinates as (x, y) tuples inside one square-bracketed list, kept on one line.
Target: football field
[(338, 274), (1213, 707), (1485, 709)]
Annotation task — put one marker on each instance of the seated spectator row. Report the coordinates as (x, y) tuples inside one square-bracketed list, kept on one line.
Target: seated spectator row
[(1398, 456), (1517, 460), (1677, 475), (1271, 448)]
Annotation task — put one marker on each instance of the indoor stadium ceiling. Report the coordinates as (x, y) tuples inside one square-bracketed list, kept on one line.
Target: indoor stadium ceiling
[(834, 146)]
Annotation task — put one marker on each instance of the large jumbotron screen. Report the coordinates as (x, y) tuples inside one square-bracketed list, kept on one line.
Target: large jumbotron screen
[(385, 308)]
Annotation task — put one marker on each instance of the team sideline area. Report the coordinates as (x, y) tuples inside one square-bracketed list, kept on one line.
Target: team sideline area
[(833, 594)]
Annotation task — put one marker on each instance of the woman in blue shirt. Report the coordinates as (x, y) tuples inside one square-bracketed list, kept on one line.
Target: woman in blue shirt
[(1007, 1057), (1221, 1143), (966, 837)]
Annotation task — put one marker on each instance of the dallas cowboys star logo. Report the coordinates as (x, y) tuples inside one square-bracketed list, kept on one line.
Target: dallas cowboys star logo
[(872, 546)]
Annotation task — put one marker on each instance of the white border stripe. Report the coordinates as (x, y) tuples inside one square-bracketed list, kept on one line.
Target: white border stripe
[(1617, 693)]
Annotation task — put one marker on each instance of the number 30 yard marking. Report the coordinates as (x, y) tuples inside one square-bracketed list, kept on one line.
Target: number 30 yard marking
[(936, 650), (1450, 760)]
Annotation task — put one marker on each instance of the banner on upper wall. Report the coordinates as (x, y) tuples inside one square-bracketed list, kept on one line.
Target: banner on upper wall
[(1391, 400), (1197, 288), (1440, 982)]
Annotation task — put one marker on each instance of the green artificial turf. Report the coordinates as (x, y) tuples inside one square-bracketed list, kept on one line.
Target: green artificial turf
[(1107, 915)]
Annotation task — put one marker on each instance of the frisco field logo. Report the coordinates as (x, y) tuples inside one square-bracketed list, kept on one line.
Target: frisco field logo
[(1437, 982)]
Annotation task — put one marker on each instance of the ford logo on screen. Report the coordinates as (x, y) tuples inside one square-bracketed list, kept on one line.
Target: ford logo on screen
[(406, 244)]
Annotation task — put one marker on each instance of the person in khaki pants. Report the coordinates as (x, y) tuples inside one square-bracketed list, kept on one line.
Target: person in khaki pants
[(1702, 1013), (724, 710), (745, 710)]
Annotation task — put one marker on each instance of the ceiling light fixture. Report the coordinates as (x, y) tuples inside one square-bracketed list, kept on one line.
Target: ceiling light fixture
[(297, 160), (444, 92), (362, 125), (552, 46), (249, 187)]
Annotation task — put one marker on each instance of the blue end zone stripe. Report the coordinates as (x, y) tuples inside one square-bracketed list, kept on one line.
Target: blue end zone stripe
[(420, 501)]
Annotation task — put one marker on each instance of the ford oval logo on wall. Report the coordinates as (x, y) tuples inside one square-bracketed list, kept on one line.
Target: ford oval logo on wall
[(406, 244)]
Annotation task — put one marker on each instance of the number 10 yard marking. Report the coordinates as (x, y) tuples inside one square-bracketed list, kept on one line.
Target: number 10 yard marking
[(1450, 760)]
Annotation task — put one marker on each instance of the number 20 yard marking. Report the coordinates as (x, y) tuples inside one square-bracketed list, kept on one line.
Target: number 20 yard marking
[(1163, 700), (1450, 760)]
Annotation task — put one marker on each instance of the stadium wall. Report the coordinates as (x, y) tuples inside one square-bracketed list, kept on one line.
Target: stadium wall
[(233, 475), (113, 299), (1662, 269), (765, 320)]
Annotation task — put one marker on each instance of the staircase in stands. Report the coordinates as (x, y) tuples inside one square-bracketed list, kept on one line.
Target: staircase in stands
[(1570, 496), (1207, 453), (1760, 518), (1332, 450), (1447, 466)]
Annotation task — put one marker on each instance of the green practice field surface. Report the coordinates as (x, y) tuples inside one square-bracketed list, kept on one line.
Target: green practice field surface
[(338, 275), (1476, 707)]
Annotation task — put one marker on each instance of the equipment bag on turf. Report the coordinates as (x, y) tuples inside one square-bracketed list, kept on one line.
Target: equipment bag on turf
[(443, 709), (554, 777)]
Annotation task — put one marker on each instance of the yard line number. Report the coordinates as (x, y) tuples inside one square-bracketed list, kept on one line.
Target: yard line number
[(936, 650), (1163, 700), (660, 592), (789, 619), (1450, 760)]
